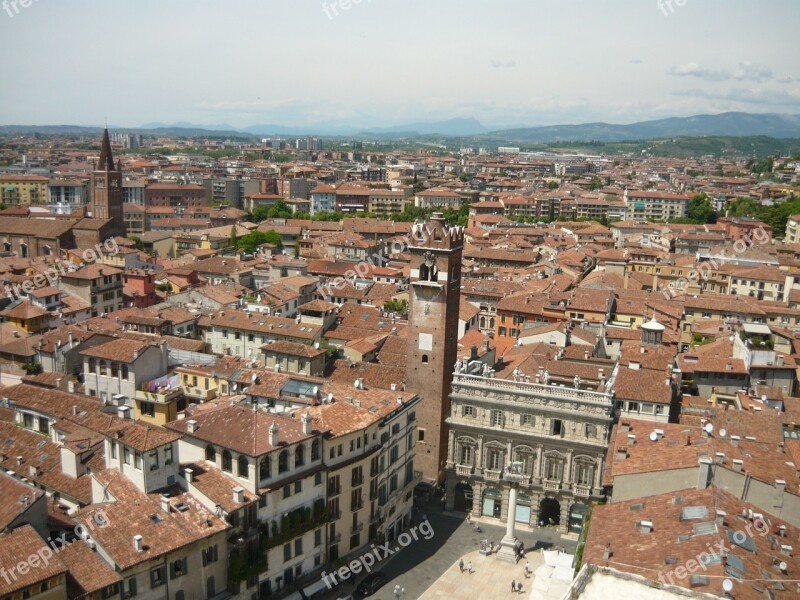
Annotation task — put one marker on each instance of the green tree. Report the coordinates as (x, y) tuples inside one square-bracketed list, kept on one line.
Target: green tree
[(234, 241), (552, 185), (137, 241), (254, 239), (743, 207), (700, 210)]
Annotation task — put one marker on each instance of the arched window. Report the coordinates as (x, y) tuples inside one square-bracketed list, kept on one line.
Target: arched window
[(424, 359), (242, 467), (300, 456), (227, 461), (315, 453), (283, 461), (264, 468), (211, 453)]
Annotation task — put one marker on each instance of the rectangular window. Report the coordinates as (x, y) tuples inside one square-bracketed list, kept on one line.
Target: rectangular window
[(497, 418), (158, 577), (527, 420), (556, 427), (468, 411), (126, 455)]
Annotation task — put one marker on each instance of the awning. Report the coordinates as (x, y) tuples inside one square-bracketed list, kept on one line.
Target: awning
[(757, 328)]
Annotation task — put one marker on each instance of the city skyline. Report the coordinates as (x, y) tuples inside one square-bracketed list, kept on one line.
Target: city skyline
[(381, 63)]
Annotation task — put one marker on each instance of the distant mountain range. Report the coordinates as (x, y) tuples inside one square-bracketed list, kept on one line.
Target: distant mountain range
[(724, 124)]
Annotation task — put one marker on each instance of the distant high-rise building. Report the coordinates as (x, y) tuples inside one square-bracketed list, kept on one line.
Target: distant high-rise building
[(106, 187)]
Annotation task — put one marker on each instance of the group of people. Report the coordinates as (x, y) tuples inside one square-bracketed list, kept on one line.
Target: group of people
[(516, 586), (470, 570)]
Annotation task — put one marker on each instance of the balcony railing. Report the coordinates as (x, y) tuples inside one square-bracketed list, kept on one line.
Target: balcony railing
[(336, 538), (492, 474), (358, 527), (582, 490), (551, 485), (464, 470)]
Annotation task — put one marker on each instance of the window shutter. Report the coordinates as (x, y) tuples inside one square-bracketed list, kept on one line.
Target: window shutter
[(172, 570), (185, 565), (132, 586)]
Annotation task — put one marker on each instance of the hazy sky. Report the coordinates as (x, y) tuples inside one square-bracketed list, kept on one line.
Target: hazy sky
[(388, 62)]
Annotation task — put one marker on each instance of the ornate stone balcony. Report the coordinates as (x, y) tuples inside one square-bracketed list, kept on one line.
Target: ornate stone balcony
[(492, 475), (551, 485), (582, 490), (464, 470)]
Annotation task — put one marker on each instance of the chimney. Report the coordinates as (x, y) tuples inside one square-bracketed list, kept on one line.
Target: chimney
[(165, 504), (585, 355), (720, 518), (20, 460), (631, 439), (633, 366), (137, 543), (191, 426), (188, 474), (622, 454), (74, 410), (238, 494), (737, 465), (273, 434), (71, 386), (735, 441), (720, 458), (703, 473), (780, 486), (122, 412), (645, 526), (306, 421)]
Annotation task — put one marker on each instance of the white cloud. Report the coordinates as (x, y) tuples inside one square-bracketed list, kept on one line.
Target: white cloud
[(504, 64)]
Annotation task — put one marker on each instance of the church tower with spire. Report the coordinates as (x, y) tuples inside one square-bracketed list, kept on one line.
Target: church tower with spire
[(106, 183)]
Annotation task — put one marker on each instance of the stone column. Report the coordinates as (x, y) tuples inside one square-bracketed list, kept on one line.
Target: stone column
[(512, 513), (508, 546)]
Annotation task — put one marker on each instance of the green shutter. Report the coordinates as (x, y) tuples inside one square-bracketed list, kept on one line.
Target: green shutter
[(185, 565)]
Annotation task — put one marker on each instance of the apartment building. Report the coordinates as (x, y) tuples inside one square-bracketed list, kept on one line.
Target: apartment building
[(23, 190), (438, 199), (72, 192), (98, 285), (239, 333), (656, 206), (117, 369), (323, 199), (172, 195)]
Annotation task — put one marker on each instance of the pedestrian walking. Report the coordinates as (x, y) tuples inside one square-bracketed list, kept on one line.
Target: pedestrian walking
[(519, 587), (527, 568), (469, 567), (513, 586), (461, 565)]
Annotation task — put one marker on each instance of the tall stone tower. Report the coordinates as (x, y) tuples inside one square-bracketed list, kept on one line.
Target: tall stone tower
[(106, 182), (434, 296)]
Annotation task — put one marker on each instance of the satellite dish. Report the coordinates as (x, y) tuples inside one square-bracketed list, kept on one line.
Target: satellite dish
[(727, 585), (709, 427), (653, 436), (723, 432), (783, 566), (315, 390), (234, 386)]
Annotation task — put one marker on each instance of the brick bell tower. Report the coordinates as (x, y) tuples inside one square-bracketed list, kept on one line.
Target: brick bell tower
[(434, 295), (106, 192)]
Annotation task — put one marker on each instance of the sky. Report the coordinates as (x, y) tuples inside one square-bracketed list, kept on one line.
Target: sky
[(381, 63)]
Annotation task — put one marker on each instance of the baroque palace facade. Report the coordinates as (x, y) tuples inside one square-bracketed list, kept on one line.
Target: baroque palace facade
[(548, 441)]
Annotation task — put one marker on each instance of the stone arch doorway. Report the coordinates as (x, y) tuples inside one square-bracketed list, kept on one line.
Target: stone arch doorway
[(462, 500), (549, 512)]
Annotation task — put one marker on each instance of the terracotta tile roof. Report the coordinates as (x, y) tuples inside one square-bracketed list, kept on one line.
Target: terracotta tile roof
[(19, 544), (88, 572), (675, 540), (242, 430), (134, 513), (216, 486), (17, 498), (122, 350)]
